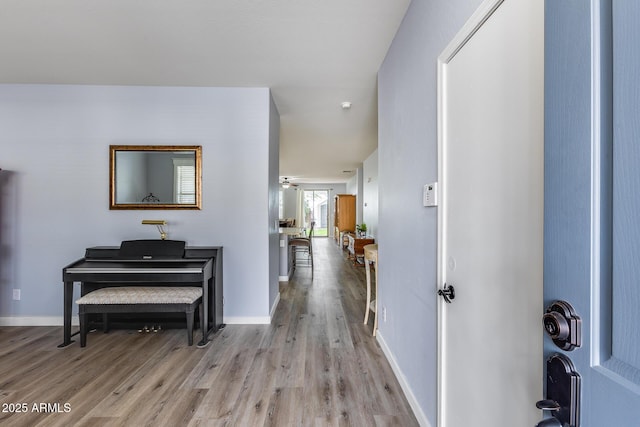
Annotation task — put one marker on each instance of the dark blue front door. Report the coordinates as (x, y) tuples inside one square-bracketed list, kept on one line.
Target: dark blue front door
[(592, 196)]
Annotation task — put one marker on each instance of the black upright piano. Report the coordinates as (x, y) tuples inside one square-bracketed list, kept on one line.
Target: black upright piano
[(145, 263)]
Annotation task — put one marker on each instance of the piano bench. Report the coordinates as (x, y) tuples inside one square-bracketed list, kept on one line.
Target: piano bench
[(140, 299)]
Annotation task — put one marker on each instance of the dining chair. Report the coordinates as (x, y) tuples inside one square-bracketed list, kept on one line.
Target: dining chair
[(302, 245)]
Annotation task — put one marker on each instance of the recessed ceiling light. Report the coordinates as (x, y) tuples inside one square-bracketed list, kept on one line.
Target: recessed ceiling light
[(346, 105)]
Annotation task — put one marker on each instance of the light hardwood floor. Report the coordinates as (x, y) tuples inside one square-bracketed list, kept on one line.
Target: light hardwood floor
[(315, 365)]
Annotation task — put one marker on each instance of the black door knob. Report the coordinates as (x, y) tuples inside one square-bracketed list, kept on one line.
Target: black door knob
[(448, 293)]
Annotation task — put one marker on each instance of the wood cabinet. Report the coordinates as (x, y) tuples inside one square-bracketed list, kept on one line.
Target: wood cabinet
[(344, 214)]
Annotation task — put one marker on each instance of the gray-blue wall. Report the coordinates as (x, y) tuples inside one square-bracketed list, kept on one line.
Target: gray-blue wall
[(369, 197), (273, 187), (407, 153), (55, 185)]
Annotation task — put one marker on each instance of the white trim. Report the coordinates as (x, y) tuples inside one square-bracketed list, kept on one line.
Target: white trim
[(442, 210), (36, 321), (473, 24), (58, 320), (274, 306), (283, 278), (404, 384), (239, 320)]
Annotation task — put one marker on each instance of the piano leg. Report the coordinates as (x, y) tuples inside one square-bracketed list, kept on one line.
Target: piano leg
[(204, 324), (68, 301)]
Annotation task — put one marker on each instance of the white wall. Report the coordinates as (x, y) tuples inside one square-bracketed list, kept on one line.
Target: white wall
[(407, 132), (55, 201), (354, 186), (289, 199)]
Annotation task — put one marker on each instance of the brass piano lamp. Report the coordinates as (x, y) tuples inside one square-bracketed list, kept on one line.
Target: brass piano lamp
[(160, 223)]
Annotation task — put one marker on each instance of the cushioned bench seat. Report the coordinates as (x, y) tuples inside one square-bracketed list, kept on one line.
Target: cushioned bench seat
[(139, 299)]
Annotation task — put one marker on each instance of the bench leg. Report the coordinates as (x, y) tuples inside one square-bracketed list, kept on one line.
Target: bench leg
[(83, 328), (105, 323), (201, 320), (190, 315)]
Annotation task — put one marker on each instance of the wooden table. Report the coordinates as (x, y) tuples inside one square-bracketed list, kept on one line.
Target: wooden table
[(291, 231), (356, 246)]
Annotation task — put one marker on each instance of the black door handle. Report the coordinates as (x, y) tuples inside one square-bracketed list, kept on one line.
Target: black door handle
[(563, 393), (448, 293), (548, 405)]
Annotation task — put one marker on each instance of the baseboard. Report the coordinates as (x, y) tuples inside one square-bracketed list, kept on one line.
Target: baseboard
[(58, 320), (274, 306), (413, 402), (287, 277), (265, 320), (36, 321)]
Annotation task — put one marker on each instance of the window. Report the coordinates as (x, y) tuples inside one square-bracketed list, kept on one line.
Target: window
[(316, 210), (184, 173)]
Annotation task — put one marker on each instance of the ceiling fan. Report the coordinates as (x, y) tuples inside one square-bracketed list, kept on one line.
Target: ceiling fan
[(286, 183)]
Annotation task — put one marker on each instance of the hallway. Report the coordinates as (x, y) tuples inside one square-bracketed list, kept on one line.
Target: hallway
[(316, 364), (346, 378)]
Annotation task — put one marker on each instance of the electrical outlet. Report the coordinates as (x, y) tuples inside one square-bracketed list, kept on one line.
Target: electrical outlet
[(16, 294), (384, 314)]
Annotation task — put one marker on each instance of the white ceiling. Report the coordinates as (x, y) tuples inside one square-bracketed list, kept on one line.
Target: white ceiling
[(313, 54)]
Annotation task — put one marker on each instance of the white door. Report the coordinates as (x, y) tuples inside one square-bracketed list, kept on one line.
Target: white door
[(491, 217)]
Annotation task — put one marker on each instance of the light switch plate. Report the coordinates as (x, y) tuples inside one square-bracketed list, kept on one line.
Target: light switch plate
[(430, 194)]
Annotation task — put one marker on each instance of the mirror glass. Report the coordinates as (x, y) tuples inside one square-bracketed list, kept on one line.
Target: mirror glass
[(155, 177)]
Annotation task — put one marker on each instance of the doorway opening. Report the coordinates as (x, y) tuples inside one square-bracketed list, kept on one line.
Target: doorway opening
[(316, 208)]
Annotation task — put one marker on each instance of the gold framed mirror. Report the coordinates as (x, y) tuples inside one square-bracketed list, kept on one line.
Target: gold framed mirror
[(155, 177)]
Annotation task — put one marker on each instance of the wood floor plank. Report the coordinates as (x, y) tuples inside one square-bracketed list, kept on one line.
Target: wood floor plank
[(251, 407), (338, 331), (96, 422), (291, 372), (350, 400), (205, 374), (146, 382), (318, 375), (283, 409), (220, 401), (316, 364)]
